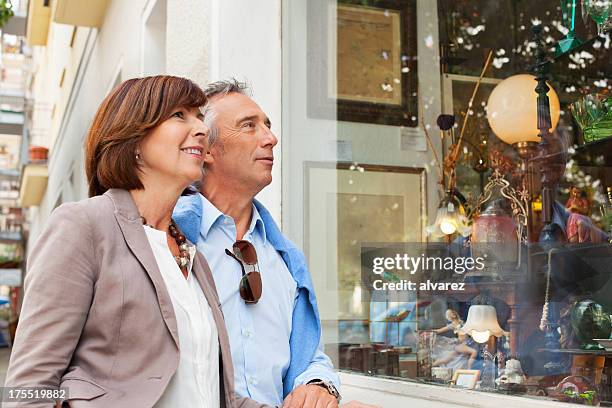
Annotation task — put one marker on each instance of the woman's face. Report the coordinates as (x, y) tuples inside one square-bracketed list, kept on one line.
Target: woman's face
[(451, 315), (172, 152)]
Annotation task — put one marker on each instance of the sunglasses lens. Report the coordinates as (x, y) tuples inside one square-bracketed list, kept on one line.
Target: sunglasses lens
[(245, 251), (250, 287)]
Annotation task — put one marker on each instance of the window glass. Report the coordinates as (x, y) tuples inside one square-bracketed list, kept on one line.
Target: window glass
[(447, 243)]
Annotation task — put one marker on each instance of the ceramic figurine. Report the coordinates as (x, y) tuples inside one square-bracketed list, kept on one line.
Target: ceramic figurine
[(512, 374), (463, 344)]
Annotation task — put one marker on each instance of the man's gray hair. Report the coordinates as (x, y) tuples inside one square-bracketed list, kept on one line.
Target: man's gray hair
[(219, 89), (225, 87)]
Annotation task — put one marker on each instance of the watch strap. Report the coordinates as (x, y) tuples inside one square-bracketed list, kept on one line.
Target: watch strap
[(329, 387)]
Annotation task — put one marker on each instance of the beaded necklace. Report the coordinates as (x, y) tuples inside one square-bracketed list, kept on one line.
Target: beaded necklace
[(182, 259)]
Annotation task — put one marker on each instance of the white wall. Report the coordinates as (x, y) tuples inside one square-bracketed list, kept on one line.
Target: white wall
[(188, 39), (153, 39)]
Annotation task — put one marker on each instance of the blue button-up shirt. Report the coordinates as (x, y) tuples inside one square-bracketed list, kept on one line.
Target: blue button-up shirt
[(259, 333)]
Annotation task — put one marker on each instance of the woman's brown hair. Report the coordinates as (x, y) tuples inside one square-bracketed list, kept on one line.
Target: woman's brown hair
[(123, 119)]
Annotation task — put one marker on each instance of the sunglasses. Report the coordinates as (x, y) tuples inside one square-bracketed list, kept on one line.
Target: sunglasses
[(250, 284)]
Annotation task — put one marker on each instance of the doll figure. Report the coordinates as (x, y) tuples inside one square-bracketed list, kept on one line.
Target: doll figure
[(577, 202), (462, 344), (579, 227)]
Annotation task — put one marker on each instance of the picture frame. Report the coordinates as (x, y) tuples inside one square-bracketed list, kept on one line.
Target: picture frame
[(465, 378), (362, 61), (346, 205)]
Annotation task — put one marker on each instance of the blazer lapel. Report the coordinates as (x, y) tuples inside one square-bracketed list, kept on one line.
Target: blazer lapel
[(202, 273), (130, 223)]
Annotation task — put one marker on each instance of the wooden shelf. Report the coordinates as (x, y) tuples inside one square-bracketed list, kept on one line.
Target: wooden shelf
[(598, 153), (578, 351)]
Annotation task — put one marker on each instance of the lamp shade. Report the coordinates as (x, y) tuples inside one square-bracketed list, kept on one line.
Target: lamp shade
[(449, 219), (512, 109), (482, 323)]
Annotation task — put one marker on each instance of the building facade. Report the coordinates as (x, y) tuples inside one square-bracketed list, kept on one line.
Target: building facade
[(354, 90)]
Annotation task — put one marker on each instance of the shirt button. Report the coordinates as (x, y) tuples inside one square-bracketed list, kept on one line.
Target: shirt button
[(247, 334), (252, 381)]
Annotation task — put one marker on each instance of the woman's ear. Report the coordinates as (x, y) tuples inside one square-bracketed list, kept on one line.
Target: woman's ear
[(138, 154)]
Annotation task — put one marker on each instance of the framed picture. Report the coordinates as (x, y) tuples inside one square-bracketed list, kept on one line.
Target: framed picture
[(347, 205), (466, 378), (362, 61)]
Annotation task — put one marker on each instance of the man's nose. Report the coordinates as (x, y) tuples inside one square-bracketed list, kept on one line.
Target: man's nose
[(270, 138)]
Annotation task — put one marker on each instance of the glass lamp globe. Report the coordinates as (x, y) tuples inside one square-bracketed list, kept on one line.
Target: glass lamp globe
[(512, 109)]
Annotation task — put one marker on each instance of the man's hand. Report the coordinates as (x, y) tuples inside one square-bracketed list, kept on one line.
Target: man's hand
[(310, 396)]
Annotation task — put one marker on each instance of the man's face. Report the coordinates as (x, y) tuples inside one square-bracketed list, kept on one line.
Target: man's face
[(243, 154)]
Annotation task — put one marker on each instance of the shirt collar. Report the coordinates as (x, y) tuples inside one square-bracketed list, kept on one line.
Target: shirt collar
[(258, 225), (210, 215)]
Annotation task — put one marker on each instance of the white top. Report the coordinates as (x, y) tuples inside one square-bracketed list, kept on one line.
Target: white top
[(196, 381)]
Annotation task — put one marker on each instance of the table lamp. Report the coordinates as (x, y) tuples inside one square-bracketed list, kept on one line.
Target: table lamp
[(513, 114)]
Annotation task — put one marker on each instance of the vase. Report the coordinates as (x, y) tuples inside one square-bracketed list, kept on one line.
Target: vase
[(590, 321)]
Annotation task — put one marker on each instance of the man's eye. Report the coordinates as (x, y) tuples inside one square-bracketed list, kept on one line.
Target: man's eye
[(248, 125), (178, 114)]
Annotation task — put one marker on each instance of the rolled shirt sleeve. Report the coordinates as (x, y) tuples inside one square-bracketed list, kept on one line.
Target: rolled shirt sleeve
[(320, 368)]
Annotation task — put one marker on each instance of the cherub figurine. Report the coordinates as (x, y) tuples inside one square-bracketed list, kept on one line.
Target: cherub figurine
[(462, 344)]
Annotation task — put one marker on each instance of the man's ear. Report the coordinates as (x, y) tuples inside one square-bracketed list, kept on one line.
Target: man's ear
[(209, 157)]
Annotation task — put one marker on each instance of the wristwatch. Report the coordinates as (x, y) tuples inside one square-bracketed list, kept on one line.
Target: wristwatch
[(328, 386)]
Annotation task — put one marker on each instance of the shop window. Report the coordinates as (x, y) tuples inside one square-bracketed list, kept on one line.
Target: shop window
[(393, 152)]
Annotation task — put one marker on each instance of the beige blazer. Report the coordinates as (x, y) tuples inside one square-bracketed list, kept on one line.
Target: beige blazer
[(97, 317)]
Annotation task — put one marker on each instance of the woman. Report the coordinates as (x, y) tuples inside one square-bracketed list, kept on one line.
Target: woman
[(119, 310)]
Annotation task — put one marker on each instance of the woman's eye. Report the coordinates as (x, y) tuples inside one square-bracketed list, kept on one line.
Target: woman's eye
[(178, 114)]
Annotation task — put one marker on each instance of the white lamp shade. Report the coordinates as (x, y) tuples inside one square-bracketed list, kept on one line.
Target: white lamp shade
[(449, 220), (482, 323), (512, 109)]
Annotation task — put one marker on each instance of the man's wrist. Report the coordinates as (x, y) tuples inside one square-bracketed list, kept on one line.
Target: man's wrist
[(328, 386)]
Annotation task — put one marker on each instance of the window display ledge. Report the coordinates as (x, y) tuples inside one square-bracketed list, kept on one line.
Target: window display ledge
[(395, 393)]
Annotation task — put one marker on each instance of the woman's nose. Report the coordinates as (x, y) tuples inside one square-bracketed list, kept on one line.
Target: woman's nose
[(202, 131)]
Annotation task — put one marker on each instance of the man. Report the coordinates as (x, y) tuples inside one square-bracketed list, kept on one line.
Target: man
[(275, 341)]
